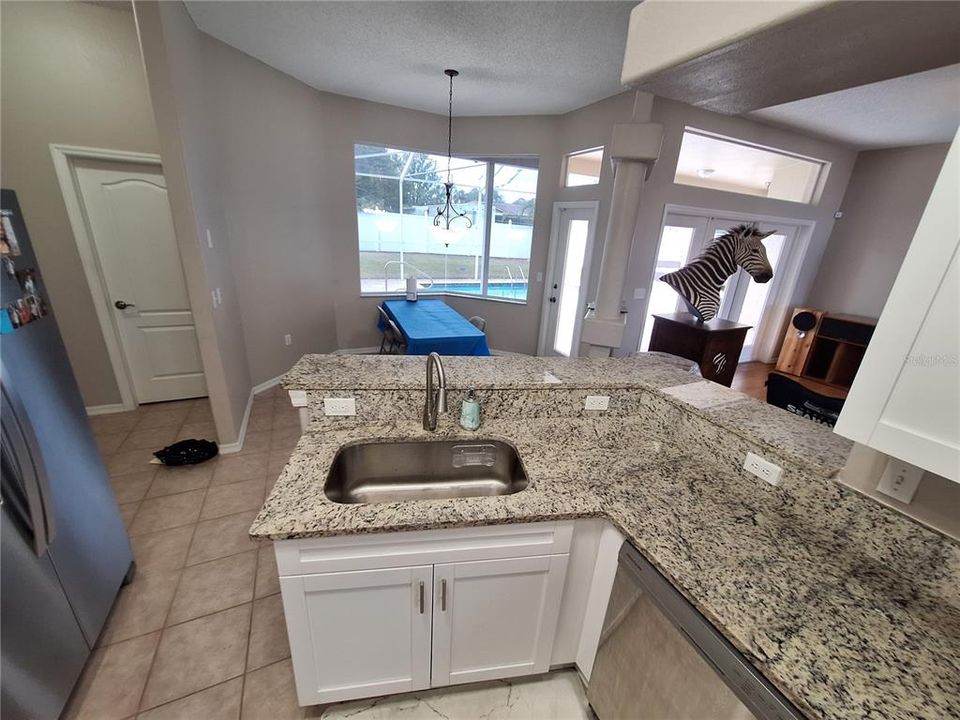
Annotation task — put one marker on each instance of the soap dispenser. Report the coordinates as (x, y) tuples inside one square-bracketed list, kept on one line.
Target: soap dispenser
[(470, 411)]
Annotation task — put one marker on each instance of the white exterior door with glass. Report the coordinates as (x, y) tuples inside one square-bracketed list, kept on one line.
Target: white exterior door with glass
[(685, 236), (568, 273)]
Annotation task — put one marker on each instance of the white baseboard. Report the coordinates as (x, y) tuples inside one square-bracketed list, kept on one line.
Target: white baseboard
[(272, 382), (107, 409), (357, 351), (506, 353), (235, 447)]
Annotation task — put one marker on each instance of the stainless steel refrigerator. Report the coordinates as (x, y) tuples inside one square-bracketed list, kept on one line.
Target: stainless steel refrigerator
[(64, 551)]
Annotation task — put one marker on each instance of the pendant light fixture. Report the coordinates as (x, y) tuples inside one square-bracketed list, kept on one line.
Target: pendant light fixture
[(448, 213)]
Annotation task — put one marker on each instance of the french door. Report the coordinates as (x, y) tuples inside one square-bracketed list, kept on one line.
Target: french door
[(685, 236)]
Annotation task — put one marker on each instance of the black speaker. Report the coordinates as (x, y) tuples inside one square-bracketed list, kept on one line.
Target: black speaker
[(804, 321)]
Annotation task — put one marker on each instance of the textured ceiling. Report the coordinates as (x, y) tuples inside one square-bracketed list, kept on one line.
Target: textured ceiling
[(515, 58), (910, 110)]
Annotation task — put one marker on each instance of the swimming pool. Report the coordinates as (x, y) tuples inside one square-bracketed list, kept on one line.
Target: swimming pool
[(510, 290)]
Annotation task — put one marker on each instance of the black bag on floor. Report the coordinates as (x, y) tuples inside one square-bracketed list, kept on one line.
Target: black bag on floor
[(187, 452)]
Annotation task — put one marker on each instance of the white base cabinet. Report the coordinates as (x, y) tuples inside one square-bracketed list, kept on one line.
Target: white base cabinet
[(495, 618), (472, 604), (359, 634)]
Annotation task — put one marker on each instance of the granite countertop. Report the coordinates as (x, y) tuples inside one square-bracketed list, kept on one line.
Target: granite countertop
[(850, 610), (675, 379), (407, 372)]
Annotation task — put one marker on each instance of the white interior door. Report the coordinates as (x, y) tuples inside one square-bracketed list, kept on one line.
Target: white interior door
[(495, 618), (567, 277), (132, 232)]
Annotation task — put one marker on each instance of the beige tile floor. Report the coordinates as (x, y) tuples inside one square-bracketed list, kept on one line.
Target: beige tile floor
[(199, 634)]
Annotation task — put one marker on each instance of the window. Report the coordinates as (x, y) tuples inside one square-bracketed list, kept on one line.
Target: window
[(724, 164), (398, 193), (583, 168)]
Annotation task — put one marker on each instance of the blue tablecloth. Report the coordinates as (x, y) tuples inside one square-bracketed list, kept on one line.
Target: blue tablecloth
[(433, 326)]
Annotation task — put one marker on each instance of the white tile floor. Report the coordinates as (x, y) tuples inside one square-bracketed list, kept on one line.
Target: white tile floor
[(199, 634)]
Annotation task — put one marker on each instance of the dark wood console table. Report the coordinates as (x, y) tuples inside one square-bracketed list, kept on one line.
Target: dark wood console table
[(715, 345)]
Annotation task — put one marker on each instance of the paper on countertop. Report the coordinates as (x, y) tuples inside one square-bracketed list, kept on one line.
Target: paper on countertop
[(549, 377)]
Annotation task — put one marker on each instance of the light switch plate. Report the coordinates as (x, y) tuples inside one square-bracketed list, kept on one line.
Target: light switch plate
[(900, 480), (763, 469), (639, 293), (339, 406), (596, 402)]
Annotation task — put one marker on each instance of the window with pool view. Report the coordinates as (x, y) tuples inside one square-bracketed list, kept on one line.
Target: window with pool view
[(398, 194)]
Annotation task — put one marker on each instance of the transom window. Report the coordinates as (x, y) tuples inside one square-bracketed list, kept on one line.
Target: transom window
[(720, 163), (398, 193), (583, 168)]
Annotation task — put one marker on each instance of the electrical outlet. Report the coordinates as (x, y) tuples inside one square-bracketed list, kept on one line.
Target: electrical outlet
[(596, 402), (209, 239), (539, 277), (213, 297), (219, 297), (339, 406), (288, 339), (900, 480), (763, 469)]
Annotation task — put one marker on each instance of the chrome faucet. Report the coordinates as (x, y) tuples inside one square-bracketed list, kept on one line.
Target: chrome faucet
[(436, 400)]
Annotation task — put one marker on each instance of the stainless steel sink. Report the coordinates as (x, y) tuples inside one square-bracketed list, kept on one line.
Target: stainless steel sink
[(373, 472)]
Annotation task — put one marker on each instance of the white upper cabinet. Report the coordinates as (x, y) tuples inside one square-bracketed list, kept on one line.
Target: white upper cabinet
[(905, 400)]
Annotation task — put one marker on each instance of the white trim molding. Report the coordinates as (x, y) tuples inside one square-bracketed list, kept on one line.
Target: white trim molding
[(105, 409), (235, 447), (63, 158)]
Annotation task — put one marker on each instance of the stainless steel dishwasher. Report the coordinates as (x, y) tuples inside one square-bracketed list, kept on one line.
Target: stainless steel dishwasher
[(660, 659)]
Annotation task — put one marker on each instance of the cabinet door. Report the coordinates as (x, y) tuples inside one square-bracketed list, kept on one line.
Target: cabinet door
[(905, 400), (495, 618), (359, 634)]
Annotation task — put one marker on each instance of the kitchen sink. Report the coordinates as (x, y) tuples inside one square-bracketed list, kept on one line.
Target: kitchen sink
[(375, 472)]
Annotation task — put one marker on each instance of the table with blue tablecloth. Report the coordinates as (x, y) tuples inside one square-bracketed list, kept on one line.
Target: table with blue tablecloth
[(430, 325)]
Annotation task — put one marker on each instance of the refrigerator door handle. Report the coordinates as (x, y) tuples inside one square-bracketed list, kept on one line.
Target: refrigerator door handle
[(19, 435)]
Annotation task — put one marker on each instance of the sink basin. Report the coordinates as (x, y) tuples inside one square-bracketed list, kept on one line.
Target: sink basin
[(374, 472)]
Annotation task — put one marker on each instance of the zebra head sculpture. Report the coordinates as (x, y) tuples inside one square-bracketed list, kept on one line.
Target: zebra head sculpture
[(699, 282)]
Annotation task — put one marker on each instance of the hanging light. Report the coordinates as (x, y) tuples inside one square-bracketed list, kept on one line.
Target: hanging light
[(448, 213)]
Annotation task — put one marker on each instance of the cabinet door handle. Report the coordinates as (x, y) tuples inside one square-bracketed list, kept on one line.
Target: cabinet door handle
[(421, 597), (443, 596)]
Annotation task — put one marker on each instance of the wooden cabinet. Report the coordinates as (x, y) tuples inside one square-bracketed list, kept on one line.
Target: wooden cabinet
[(905, 400), (715, 345), (495, 618), (474, 607), (824, 349)]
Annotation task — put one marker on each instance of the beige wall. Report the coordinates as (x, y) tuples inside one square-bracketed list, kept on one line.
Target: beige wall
[(289, 205), (71, 74), (193, 157), (660, 191), (285, 172), (884, 200)]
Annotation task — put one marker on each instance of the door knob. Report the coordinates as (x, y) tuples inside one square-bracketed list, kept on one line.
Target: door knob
[(121, 305)]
